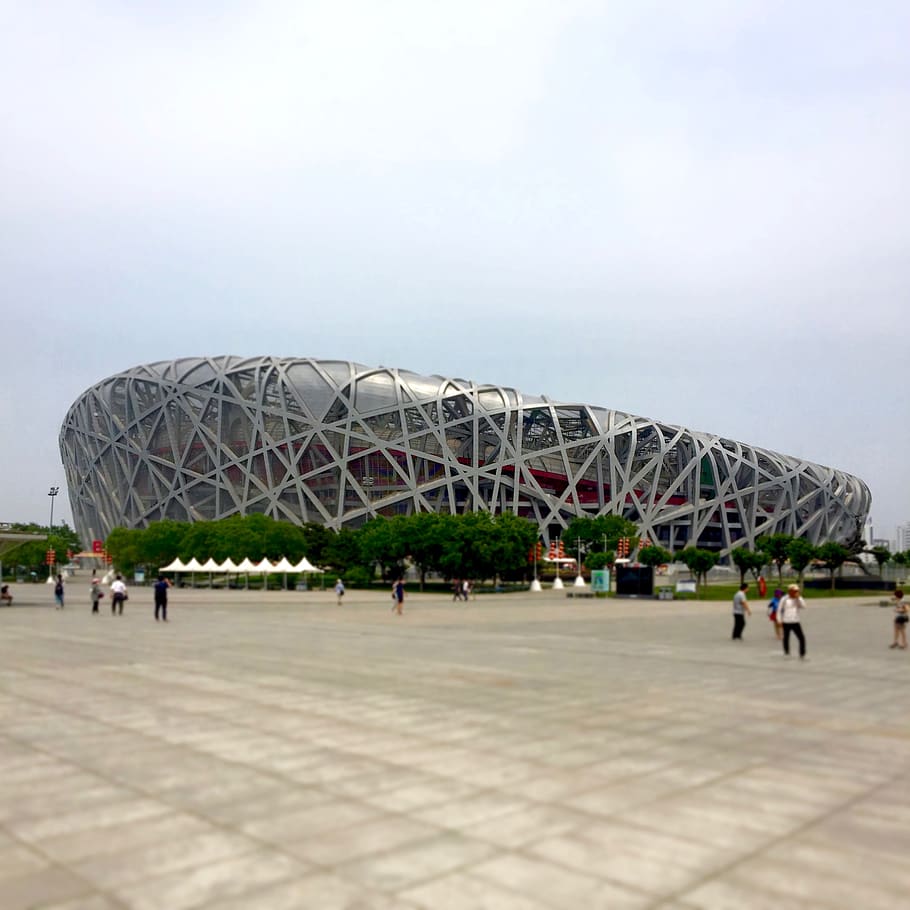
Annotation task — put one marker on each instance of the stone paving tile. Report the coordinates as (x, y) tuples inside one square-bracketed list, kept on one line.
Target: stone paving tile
[(556, 886), (41, 887), (268, 750), (320, 892), (464, 892), (379, 836), (316, 820), (121, 868), (415, 862), (212, 883)]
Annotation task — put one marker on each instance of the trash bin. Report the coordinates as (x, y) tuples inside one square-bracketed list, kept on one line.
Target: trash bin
[(665, 594)]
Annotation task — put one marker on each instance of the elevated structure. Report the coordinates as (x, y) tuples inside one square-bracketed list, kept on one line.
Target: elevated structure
[(337, 443)]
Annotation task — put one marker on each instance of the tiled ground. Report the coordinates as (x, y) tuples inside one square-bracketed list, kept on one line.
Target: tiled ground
[(520, 752)]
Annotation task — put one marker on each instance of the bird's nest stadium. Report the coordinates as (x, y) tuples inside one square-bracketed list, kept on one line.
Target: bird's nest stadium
[(337, 443)]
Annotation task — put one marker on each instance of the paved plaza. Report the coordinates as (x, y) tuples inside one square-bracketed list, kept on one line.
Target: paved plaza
[(519, 752)]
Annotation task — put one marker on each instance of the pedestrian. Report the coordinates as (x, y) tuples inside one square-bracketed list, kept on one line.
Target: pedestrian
[(741, 609), (399, 596), (774, 613), (96, 594), (5, 596), (789, 610), (339, 591), (160, 587), (901, 611), (58, 592), (465, 590), (456, 589), (118, 595)]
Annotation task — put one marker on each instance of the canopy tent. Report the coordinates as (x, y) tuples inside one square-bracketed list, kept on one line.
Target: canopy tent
[(284, 566), (175, 566), (211, 566), (229, 566), (246, 565), (305, 566), (264, 567), (194, 566)]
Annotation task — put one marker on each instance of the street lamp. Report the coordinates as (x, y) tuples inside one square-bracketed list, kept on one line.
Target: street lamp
[(52, 493)]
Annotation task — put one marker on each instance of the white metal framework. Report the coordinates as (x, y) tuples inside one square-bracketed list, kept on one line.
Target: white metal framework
[(336, 442)]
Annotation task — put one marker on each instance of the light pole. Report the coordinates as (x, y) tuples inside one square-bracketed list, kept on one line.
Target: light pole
[(52, 493)]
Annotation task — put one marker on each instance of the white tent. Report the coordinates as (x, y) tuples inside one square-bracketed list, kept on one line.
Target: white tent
[(264, 567), (305, 566), (193, 566), (228, 566), (175, 566), (284, 566), (246, 565), (211, 566)]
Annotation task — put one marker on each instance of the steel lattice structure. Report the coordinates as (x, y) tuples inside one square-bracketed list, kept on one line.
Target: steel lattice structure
[(337, 443)]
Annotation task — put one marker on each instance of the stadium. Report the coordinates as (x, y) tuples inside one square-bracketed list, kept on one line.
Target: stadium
[(338, 443)]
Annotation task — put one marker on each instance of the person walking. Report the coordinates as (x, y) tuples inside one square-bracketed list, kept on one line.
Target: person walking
[(399, 596), (339, 591), (58, 592), (774, 613), (160, 588), (96, 594), (741, 609), (118, 595), (789, 611), (901, 615)]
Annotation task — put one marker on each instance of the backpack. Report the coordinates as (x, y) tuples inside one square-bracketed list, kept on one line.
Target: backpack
[(59, 588)]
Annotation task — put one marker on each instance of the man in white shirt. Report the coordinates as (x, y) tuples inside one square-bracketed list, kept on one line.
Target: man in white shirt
[(118, 595)]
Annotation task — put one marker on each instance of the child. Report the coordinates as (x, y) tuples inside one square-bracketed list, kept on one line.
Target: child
[(773, 606)]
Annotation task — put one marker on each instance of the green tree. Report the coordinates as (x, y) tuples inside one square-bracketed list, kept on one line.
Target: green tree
[(343, 552), (776, 547), (654, 556), (513, 536), (901, 558), (748, 561), (881, 555), (698, 562), (833, 555), (598, 560), (428, 535), (383, 542), (160, 543), (602, 532), (800, 553), (123, 546)]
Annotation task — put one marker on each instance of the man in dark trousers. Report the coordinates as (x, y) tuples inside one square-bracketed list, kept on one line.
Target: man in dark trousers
[(161, 587), (740, 610)]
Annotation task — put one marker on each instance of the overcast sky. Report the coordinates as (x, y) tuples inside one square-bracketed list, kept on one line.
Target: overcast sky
[(695, 212)]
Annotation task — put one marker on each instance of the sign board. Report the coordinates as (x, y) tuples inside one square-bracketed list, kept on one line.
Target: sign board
[(685, 586), (97, 546), (600, 581), (139, 576)]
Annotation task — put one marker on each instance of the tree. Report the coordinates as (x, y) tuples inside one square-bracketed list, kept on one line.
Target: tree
[(343, 552), (800, 553), (775, 547), (699, 562), (881, 555), (428, 535), (513, 536), (654, 556), (747, 561), (604, 529), (383, 542), (833, 555)]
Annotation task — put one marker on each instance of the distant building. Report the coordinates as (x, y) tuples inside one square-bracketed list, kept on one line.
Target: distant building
[(339, 443)]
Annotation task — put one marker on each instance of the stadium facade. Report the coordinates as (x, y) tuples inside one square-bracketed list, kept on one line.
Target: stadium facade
[(338, 443)]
